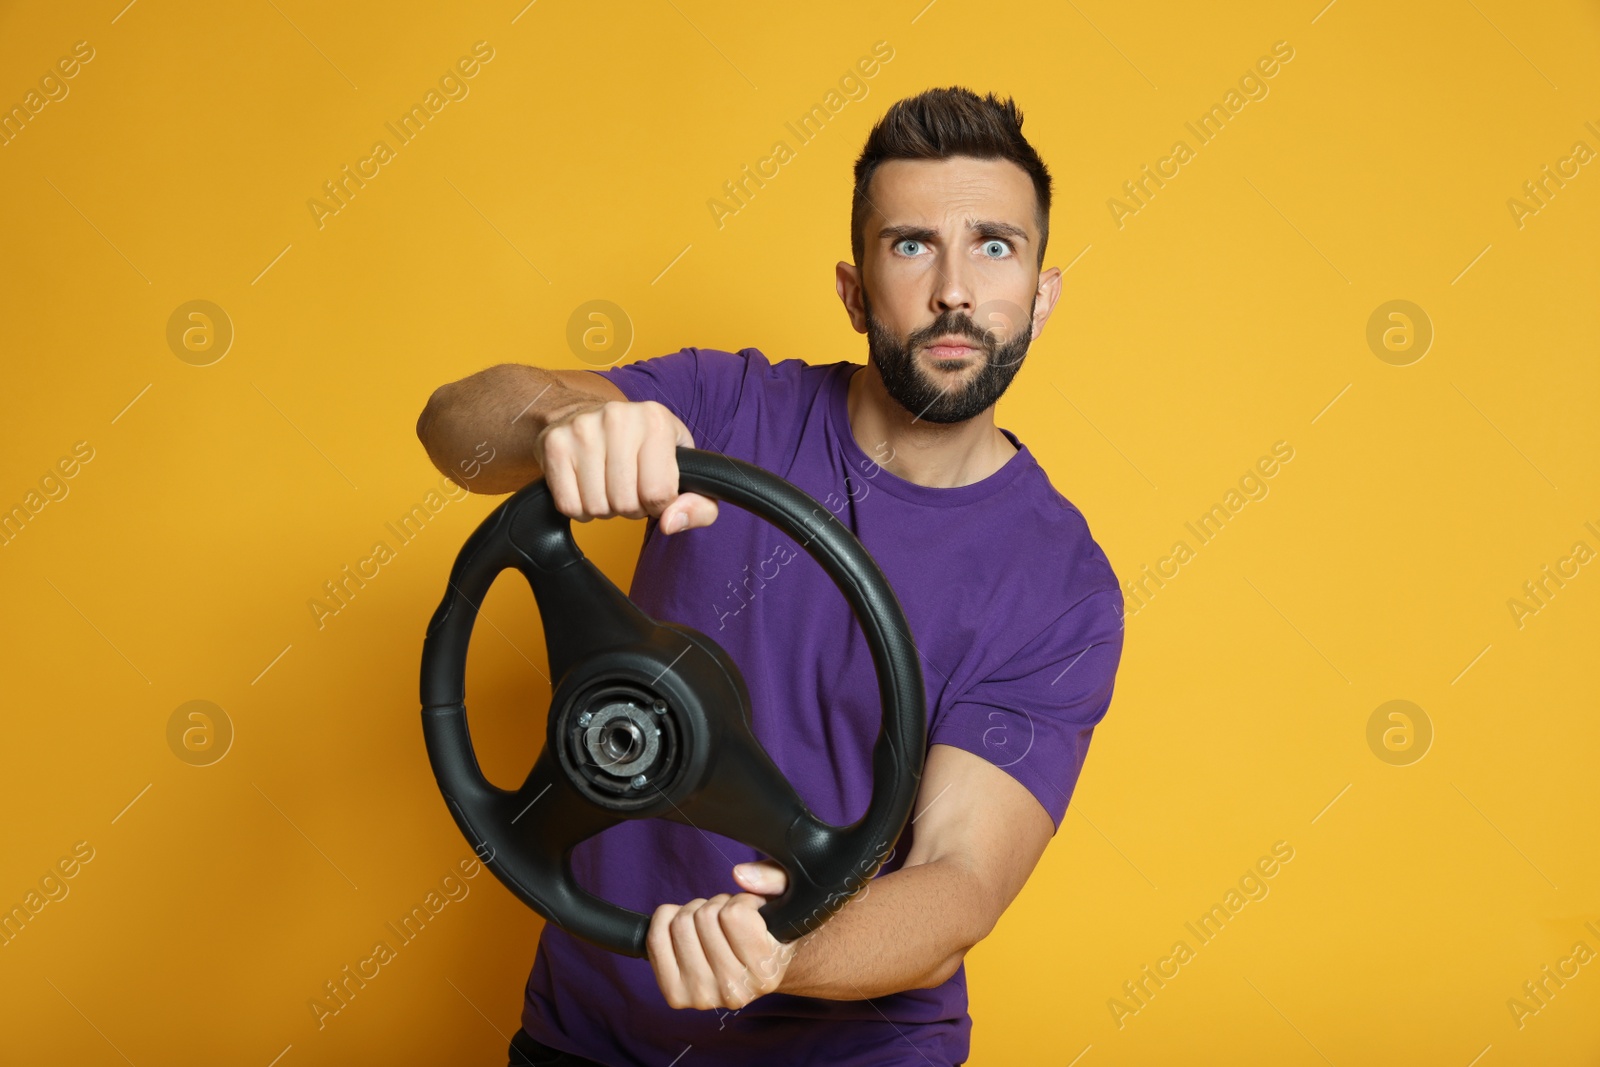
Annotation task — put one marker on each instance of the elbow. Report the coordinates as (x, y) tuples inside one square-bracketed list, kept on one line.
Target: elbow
[(946, 970), (425, 434), (981, 920), (951, 963), (430, 412)]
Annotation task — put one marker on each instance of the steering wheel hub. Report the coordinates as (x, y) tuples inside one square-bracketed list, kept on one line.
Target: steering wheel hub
[(621, 741)]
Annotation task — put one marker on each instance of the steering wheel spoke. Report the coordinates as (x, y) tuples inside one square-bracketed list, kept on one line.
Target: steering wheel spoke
[(582, 610), (526, 836), (547, 814), (746, 797)]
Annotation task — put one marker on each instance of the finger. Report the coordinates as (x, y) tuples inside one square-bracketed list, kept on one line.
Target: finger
[(589, 451), (698, 510), (733, 984), (663, 960), (681, 433), (622, 450), (762, 876), (694, 509), (694, 972), (702, 510), (744, 930), (561, 476), (658, 474)]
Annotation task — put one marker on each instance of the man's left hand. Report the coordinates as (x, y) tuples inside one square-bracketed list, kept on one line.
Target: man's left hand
[(718, 953)]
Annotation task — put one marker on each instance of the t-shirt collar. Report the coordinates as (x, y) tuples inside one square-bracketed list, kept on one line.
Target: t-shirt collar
[(881, 477)]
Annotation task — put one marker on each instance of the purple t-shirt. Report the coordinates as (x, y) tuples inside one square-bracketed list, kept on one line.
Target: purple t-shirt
[(1017, 615)]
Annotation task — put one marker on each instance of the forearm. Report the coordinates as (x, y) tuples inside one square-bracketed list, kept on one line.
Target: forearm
[(906, 930), (506, 406)]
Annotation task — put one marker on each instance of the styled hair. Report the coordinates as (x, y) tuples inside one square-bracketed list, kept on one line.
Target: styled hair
[(938, 124)]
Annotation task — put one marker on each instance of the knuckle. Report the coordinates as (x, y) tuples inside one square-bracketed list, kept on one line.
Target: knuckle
[(567, 502), (661, 418), (654, 497), (557, 441)]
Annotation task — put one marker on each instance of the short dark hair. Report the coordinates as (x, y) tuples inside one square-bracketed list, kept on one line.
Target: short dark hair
[(938, 124)]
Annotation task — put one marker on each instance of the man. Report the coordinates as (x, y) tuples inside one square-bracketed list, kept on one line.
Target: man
[(1013, 607)]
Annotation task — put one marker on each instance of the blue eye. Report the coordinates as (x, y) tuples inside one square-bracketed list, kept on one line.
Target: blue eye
[(906, 241), (1001, 245)]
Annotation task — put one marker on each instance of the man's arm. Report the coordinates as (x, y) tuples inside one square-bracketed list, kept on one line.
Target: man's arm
[(507, 406), (979, 834)]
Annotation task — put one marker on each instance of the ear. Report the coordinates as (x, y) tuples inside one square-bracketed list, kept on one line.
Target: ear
[(847, 282), (1047, 293)]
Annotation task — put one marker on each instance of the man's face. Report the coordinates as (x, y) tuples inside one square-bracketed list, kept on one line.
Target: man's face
[(950, 254)]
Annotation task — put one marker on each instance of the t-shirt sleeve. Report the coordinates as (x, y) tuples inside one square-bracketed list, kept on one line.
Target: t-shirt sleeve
[(702, 386), (1033, 717)]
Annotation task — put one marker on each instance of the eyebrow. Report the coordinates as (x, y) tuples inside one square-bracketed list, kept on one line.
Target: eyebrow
[(981, 227)]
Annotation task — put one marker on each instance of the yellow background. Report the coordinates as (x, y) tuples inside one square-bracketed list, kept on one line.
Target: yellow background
[(1226, 315)]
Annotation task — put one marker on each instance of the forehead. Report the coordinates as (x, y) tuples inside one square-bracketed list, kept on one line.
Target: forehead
[(941, 192)]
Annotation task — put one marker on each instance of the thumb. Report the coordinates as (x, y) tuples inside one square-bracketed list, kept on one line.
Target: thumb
[(761, 876), (688, 511)]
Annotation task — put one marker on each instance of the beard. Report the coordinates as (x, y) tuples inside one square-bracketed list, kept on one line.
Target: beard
[(935, 394)]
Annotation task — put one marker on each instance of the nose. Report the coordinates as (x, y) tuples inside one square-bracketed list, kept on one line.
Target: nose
[(951, 290)]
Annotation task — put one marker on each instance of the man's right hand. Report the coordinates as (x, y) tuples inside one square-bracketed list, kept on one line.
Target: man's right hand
[(619, 458)]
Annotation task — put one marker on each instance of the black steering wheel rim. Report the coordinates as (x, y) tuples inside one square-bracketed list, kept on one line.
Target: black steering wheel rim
[(608, 658)]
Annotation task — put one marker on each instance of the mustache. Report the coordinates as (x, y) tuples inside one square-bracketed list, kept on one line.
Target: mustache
[(967, 330)]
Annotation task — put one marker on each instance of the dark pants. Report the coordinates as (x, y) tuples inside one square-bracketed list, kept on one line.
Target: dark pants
[(526, 1052)]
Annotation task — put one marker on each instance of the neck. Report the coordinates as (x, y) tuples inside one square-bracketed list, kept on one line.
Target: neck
[(938, 455)]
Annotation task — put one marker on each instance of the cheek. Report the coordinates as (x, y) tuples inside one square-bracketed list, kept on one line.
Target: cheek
[(1007, 317), (886, 317)]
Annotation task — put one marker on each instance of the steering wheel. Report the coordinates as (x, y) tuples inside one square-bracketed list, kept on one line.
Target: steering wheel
[(652, 719)]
